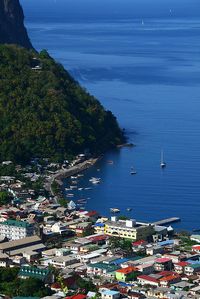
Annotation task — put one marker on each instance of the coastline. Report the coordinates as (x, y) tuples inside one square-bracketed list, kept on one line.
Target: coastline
[(65, 173)]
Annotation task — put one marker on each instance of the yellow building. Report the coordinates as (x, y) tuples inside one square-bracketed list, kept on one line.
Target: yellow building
[(128, 229)]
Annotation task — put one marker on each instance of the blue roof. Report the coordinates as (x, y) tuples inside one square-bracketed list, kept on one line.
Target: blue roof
[(99, 224), (165, 243), (124, 284), (120, 261), (109, 292), (193, 262)]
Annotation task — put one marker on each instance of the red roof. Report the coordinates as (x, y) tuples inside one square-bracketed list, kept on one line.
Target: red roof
[(196, 247), (170, 277), (126, 270), (163, 260), (148, 278), (98, 238), (166, 273), (92, 213), (79, 296), (182, 264), (138, 243)]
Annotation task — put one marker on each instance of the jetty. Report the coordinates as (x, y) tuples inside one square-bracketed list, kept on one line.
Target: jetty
[(65, 173), (167, 221)]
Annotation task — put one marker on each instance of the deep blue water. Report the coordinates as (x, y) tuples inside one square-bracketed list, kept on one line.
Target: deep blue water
[(142, 61)]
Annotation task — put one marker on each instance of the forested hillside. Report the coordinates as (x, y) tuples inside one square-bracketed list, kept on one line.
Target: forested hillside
[(44, 112)]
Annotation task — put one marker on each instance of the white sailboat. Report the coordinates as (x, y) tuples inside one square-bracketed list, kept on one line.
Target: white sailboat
[(162, 163), (133, 171)]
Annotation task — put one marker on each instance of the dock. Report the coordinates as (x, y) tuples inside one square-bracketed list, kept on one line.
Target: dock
[(167, 221)]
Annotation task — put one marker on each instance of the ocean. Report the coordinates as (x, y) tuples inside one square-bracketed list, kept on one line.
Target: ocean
[(141, 59)]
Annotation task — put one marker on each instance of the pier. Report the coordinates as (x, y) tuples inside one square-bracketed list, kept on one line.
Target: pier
[(167, 221)]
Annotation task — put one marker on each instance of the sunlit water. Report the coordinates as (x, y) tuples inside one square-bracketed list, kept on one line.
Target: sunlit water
[(147, 72)]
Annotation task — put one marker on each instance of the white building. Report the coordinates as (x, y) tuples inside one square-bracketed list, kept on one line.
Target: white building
[(15, 230)]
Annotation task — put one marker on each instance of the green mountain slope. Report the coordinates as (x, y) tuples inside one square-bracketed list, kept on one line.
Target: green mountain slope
[(45, 113)]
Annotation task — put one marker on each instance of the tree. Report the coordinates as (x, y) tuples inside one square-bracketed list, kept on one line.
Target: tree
[(5, 198)]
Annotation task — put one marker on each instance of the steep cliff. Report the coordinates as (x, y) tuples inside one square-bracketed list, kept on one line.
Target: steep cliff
[(12, 30)]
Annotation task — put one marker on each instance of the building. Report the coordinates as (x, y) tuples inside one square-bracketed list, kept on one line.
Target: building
[(125, 274), (148, 280), (180, 267), (109, 294), (39, 273), (15, 230), (21, 246), (192, 269), (163, 264), (128, 229)]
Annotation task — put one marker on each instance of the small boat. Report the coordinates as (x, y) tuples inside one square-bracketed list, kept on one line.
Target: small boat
[(79, 189), (88, 188), (80, 175), (129, 209), (74, 182), (110, 162), (114, 210), (162, 163), (95, 182), (67, 189), (133, 171), (82, 200), (93, 179), (73, 187), (70, 195), (73, 177)]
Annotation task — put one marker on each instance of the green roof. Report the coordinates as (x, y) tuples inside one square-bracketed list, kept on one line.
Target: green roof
[(34, 272), (107, 267), (25, 297), (194, 266), (16, 223)]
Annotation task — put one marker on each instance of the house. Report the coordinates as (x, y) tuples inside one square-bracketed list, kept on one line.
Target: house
[(148, 280), (180, 267), (159, 292), (145, 268), (195, 291), (163, 264), (152, 250), (169, 279), (102, 269), (4, 260), (192, 269), (109, 294), (181, 285), (63, 261), (139, 245), (125, 274), (196, 248)]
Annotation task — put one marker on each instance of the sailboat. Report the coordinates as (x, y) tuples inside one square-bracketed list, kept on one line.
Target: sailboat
[(162, 163), (133, 171)]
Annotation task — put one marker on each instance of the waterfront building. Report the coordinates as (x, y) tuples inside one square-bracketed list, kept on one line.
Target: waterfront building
[(15, 230), (129, 229)]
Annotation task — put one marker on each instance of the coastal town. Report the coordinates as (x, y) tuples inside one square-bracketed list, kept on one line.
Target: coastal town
[(78, 253)]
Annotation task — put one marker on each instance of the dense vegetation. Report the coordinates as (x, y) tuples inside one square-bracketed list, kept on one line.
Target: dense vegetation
[(45, 112), (11, 285)]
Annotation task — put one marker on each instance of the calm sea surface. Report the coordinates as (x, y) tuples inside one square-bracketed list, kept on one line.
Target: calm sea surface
[(144, 65)]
